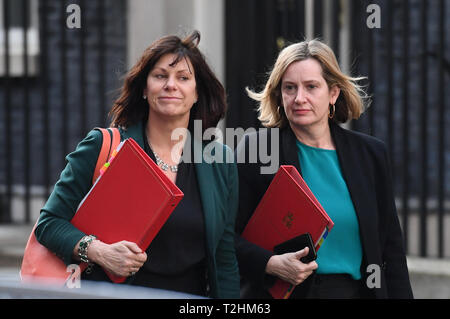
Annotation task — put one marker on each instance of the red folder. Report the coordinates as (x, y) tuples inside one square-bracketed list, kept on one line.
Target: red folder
[(287, 209), (130, 201)]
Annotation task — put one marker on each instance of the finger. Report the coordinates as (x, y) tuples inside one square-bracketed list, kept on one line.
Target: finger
[(142, 257), (133, 266), (313, 265), (139, 259), (302, 253), (132, 246)]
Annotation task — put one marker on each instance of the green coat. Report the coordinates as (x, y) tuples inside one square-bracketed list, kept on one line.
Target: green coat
[(218, 185)]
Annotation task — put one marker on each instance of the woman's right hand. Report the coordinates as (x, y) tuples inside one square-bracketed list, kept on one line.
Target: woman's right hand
[(121, 259), (288, 267)]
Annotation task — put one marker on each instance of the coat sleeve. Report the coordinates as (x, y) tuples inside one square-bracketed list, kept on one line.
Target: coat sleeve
[(227, 266), (394, 256), (54, 229)]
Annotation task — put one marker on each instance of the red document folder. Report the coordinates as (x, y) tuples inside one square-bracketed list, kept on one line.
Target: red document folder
[(130, 201), (287, 209)]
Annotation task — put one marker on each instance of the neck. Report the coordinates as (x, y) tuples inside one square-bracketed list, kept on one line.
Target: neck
[(315, 136), (159, 131)]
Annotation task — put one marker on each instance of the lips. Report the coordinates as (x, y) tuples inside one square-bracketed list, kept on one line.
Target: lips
[(169, 98), (301, 111)]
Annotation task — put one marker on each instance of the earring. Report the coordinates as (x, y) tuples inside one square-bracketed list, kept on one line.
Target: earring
[(332, 111), (144, 97)]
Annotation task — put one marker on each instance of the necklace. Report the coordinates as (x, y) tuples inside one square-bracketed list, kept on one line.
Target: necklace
[(164, 166)]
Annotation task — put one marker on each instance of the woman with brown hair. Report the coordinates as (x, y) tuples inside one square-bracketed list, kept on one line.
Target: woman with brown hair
[(306, 97), (169, 88)]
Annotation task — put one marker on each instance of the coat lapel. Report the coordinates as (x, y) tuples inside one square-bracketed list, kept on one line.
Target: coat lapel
[(289, 149), (205, 179), (135, 132)]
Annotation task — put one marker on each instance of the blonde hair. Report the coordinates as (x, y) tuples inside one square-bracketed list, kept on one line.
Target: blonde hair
[(352, 99)]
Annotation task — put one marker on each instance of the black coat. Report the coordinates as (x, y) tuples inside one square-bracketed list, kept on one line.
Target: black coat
[(366, 170)]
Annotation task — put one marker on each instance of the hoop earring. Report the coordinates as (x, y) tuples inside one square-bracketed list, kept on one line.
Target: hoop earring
[(332, 111)]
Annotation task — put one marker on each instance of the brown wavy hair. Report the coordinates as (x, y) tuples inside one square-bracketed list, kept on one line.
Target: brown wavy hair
[(130, 108)]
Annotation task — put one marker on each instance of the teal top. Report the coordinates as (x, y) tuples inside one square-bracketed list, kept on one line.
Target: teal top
[(341, 251)]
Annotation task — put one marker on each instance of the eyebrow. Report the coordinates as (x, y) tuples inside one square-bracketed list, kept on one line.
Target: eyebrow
[(312, 81), (165, 70), (306, 81)]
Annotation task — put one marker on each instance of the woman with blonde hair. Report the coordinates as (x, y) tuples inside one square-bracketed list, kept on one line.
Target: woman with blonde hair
[(305, 98)]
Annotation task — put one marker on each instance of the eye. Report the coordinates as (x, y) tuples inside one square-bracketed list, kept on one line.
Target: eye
[(311, 86), (159, 76), (289, 88)]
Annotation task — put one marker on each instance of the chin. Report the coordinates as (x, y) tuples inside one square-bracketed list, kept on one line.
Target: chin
[(172, 114), (302, 121), (169, 111), (308, 121)]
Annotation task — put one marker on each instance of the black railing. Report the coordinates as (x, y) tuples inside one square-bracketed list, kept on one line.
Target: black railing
[(49, 105), (7, 120), (410, 53), (443, 64)]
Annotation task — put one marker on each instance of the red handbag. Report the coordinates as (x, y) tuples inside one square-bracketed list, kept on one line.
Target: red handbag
[(39, 262)]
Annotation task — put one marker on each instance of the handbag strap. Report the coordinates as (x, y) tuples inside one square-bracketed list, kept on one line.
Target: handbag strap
[(111, 139)]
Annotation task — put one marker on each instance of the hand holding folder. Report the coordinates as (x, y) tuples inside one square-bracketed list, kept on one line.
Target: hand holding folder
[(287, 210), (130, 201)]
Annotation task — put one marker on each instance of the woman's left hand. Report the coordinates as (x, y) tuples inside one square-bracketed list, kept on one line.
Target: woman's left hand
[(123, 258)]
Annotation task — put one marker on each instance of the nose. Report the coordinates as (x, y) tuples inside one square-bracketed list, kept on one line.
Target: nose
[(170, 83), (301, 96)]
